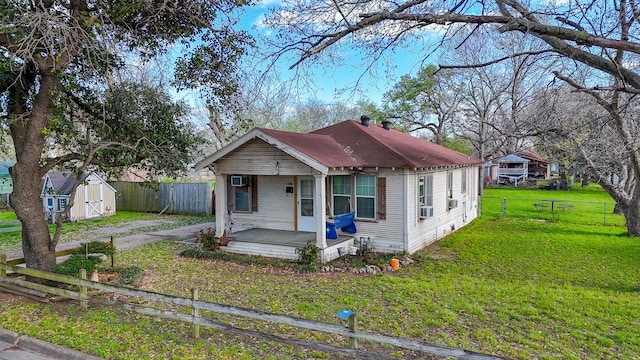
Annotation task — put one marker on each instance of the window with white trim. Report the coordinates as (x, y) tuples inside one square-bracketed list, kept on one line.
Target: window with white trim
[(341, 194), (242, 196), (429, 191), (425, 190), (365, 196), (62, 203), (463, 182), (421, 191)]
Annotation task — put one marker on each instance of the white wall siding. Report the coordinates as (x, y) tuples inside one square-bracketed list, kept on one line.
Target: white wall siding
[(423, 232), (268, 250), (275, 206), (388, 235), (259, 158)]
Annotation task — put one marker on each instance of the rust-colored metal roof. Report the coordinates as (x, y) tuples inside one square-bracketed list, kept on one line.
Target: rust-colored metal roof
[(349, 143), (321, 148), (528, 154)]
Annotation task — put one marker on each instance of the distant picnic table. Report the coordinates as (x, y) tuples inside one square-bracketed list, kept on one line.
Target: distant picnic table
[(540, 206), (565, 207)]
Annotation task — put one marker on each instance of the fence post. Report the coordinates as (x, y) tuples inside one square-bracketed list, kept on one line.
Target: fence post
[(83, 289), (113, 249), (196, 313), (605, 213), (353, 326), (3, 260), (504, 207)]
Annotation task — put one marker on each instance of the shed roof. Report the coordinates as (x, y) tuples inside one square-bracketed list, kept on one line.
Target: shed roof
[(511, 158), (62, 182)]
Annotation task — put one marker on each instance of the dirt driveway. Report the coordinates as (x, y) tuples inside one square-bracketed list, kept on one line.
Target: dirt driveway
[(131, 234)]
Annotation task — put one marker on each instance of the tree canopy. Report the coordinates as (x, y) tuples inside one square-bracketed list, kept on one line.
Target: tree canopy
[(65, 103)]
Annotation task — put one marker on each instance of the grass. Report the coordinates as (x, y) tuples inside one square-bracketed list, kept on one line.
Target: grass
[(517, 287), (7, 216), (590, 205)]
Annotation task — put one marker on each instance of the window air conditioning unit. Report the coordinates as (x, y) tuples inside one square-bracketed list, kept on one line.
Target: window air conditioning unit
[(453, 203), (237, 180), (426, 212)]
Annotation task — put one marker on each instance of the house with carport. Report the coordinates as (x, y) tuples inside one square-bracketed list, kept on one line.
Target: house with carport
[(277, 190)]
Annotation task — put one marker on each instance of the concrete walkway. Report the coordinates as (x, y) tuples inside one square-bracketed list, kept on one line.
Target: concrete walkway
[(127, 242), (16, 347)]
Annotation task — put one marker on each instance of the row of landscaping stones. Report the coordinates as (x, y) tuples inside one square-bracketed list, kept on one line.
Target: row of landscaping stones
[(369, 269)]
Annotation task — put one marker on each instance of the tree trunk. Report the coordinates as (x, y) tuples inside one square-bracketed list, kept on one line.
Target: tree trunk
[(39, 252), (632, 216), (29, 139)]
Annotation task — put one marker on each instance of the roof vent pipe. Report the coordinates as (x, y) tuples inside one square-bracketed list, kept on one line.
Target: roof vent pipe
[(364, 120), (386, 124)]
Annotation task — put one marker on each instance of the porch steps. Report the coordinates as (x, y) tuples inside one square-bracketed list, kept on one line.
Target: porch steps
[(257, 249)]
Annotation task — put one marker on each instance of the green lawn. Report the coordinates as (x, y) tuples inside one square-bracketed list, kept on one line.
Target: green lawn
[(517, 287), (7, 216), (588, 205)]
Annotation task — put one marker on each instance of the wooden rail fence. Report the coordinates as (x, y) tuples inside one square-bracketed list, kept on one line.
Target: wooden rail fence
[(196, 306)]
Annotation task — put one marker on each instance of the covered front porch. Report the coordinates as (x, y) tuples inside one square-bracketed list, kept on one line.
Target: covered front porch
[(283, 243)]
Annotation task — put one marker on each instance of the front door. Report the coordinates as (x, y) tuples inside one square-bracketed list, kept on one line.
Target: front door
[(306, 204)]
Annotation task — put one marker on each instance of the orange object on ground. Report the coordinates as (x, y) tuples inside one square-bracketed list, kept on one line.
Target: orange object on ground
[(395, 264)]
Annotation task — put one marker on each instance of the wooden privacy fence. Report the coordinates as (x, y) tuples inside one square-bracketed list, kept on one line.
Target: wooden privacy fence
[(196, 306), (168, 198)]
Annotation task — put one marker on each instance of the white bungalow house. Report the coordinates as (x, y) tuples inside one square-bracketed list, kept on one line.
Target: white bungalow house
[(280, 189), (94, 197)]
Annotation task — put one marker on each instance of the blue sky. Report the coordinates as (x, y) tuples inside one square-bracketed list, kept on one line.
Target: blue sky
[(328, 82)]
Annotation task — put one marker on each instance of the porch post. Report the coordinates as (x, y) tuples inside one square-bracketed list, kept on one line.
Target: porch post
[(321, 198), (221, 202)]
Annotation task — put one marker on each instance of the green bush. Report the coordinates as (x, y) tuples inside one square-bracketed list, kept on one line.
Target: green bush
[(74, 263), (128, 275), (95, 247), (208, 240), (308, 254)]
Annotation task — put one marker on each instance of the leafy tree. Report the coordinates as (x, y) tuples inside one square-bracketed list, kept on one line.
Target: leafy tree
[(579, 34), (428, 101), (59, 65)]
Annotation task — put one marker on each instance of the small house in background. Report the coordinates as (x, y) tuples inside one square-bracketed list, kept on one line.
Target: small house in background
[(539, 167), (6, 182), (349, 185), (94, 197), (512, 170)]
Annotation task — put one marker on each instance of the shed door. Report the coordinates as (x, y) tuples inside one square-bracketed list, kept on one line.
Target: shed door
[(306, 204), (94, 199)]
